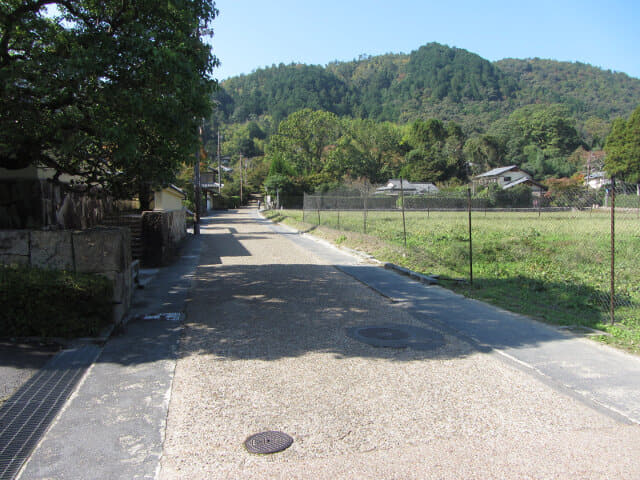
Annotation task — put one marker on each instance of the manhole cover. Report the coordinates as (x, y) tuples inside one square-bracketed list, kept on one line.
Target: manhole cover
[(397, 336), (268, 442), (383, 333)]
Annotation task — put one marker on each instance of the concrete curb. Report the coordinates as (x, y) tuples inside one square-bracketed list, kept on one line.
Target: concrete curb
[(426, 279)]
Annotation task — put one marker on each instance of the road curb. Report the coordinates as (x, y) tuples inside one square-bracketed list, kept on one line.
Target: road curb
[(426, 279)]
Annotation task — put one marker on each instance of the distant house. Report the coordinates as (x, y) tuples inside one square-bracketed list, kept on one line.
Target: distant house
[(508, 177), (393, 187), (597, 180)]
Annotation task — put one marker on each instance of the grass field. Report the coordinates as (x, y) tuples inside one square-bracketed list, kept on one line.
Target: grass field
[(554, 267)]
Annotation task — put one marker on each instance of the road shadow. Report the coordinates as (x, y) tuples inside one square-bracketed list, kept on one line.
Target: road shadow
[(275, 311)]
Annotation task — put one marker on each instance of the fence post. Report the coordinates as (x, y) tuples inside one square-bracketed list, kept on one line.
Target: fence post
[(364, 213), (540, 206), (404, 224), (470, 240), (612, 307), (304, 206), (318, 200), (338, 208)]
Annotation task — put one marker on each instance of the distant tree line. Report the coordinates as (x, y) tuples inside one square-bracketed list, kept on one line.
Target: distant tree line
[(316, 149)]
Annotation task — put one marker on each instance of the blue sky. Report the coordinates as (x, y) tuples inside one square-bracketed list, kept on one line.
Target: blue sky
[(251, 34)]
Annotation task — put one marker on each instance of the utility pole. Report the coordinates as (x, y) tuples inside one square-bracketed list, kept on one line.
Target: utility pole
[(196, 169), (196, 173), (241, 178), (219, 166)]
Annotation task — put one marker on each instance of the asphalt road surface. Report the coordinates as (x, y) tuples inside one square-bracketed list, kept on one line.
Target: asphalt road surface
[(267, 346)]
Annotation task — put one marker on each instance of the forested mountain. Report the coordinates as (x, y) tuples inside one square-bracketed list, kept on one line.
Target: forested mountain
[(434, 81), (439, 114)]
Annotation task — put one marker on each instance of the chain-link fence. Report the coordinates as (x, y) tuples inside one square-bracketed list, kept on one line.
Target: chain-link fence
[(570, 257)]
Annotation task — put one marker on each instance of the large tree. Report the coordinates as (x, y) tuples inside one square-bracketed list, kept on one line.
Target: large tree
[(367, 150), (436, 153), (623, 148), (108, 91), (303, 139)]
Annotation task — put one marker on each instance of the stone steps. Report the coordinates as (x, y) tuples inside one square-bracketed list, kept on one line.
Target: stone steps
[(133, 221)]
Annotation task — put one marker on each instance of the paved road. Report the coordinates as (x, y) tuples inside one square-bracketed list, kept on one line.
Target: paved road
[(266, 345)]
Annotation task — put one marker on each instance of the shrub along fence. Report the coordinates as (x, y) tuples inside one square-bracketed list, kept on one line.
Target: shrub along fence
[(570, 257)]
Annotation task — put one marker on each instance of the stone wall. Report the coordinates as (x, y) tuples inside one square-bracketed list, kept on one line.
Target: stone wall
[(162, 234), (38, 203), (104, 251)]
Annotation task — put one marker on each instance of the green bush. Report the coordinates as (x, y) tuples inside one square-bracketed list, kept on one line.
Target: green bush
[(53, 303)]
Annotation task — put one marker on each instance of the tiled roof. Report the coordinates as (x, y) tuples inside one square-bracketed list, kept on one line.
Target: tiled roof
[(497, 171)]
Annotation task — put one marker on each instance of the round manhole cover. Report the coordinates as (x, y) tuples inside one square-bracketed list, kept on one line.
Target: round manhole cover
[(397, 336), (268, 442), (383, 333)]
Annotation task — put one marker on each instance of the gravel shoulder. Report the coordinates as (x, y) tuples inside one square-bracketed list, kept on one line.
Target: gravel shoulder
[(265, 348)]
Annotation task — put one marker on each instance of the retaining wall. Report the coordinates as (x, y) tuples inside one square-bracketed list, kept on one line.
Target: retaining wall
[(162, 234), (28, 203), (103, 250)]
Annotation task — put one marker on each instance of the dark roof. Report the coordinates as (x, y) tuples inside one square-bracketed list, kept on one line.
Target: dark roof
[(498, 171), (393, 185)]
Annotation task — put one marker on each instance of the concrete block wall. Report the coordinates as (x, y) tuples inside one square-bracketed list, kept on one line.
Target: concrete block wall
[(162, 234), (103, 251)]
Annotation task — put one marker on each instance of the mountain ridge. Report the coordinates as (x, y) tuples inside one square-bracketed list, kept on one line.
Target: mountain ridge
[(433, 81)]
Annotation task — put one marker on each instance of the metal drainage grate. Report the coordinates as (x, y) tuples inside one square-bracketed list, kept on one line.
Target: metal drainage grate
[(397, 336), (26, 415), (268, 442)]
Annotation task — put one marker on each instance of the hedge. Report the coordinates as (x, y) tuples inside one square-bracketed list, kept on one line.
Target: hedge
[(53, 303)]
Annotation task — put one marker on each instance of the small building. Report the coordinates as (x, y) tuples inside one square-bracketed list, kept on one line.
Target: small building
[(393, 187), (597, 180), (508, 177), (168, 199), (210, 185)]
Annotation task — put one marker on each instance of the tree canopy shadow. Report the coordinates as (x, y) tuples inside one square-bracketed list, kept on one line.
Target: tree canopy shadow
[(268, 312)]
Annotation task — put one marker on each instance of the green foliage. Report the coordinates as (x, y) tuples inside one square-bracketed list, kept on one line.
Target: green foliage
[(282, 90), (623, 148), (539, 138), (279, 166), (455, 114), (279, 183), (589, 92), (367, 150), (108, 91), (434, 81), (436, 153), (484, 152), (515, 197), (302, 139), (443, 72), (53, 303)]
